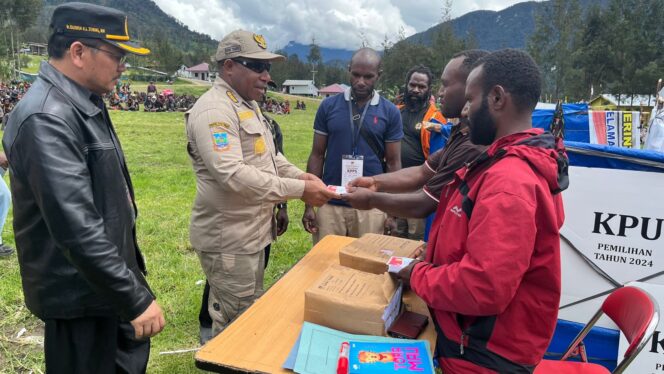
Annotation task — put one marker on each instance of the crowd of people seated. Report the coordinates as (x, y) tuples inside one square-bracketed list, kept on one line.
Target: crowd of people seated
[(169, 102), (152, 101), (126, 100), (272, 105), (10, 94)]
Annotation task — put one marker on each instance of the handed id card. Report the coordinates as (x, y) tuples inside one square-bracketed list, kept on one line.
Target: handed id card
[(396, 264), (339, 190)]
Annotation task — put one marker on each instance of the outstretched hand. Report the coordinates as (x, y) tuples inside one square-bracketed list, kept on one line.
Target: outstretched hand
[(404, 274), (366, 182), (310, 177), (358, 197), (316, 193)]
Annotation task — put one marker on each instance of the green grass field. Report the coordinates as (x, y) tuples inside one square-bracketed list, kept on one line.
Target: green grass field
[(33, 64), (179, 87), (154, 144), (183, 87)]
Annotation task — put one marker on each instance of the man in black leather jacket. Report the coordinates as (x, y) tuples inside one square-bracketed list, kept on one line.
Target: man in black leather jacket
[(74, 210)]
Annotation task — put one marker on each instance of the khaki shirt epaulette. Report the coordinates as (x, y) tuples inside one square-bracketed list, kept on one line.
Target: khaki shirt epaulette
[(239, 174)]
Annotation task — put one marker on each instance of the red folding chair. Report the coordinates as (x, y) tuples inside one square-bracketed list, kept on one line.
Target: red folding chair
[(634, 311)]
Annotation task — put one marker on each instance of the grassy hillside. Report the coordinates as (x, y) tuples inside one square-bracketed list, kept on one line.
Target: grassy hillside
[(33, 64), (147, 22)]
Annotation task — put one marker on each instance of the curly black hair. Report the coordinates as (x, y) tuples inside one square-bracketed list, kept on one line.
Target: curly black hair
[(516, 72), (421, 69), (470, 58)]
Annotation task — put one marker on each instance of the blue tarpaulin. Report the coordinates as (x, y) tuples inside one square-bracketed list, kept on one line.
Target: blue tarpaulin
[(609, 157), (601, 343), (576, 121)]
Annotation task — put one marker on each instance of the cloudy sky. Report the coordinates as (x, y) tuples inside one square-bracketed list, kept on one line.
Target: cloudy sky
[(333, 23)]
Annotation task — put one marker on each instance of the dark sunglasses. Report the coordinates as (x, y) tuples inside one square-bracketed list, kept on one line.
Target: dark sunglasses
[(254, 65)]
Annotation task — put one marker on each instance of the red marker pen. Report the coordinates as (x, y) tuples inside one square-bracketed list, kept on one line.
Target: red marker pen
[(342, 363)]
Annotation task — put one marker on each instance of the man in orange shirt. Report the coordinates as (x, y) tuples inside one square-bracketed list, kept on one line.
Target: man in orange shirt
[(417, 113)]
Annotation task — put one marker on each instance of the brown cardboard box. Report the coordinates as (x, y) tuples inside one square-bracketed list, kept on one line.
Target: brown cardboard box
[(371, 252), (352, 301)]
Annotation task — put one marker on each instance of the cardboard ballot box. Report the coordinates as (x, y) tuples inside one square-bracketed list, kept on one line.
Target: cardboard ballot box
[(371, 252), (353, 301), (260, 339)]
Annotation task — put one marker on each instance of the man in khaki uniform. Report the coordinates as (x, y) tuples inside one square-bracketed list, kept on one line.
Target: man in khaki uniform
[(240, 176)]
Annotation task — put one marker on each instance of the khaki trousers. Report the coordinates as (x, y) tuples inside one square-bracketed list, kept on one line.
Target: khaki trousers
[(345, 221), (236, 281)]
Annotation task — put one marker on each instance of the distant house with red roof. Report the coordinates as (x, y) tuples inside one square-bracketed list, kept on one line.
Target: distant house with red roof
[(200, 71), (332, 90)]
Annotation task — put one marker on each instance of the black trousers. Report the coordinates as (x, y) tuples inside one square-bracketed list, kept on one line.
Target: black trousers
[(203, 315), (93, 345)]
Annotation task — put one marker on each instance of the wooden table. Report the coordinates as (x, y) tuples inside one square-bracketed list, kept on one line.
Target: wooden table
[(260, 339)]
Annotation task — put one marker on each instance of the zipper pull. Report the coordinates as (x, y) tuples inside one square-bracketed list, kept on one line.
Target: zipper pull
[(463, 335)]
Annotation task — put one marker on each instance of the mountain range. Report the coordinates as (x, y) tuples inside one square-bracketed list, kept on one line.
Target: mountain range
[(147, 22), (329, 55), (510, 27), (507, 28)]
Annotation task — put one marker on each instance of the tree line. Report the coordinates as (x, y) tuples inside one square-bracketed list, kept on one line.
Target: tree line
[(311, 68), (618, 49), (399, 55), (15, 18)]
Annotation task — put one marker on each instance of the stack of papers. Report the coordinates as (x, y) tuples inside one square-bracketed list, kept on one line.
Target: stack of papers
[(317, 349)]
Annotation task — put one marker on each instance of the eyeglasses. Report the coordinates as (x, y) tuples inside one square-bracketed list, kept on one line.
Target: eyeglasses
[(253, 65), (120, 59)]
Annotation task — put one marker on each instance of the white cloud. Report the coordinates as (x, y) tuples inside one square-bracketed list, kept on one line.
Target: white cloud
[(334, 23)]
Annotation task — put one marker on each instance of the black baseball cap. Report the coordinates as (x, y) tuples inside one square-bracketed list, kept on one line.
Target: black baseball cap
[(92, 21)]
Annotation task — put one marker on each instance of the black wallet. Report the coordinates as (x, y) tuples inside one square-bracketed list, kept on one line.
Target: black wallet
[(408, 325)]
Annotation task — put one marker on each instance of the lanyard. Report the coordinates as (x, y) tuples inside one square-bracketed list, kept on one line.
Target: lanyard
[(354, 124)]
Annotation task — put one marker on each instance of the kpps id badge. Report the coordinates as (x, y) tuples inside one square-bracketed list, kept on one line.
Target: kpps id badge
[(351, 168)]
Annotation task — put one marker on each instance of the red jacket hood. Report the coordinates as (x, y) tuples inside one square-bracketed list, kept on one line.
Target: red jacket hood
[(531, 146)]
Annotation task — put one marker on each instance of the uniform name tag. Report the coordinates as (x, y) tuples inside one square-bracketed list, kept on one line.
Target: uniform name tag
[(259, 146), (245, 115), (351, 168)]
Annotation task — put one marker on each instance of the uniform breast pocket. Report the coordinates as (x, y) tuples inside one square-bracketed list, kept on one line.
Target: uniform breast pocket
[(108, 180), (255, 147)]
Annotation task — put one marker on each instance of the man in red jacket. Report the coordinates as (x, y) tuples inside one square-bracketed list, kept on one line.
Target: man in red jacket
[(491, 276)]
